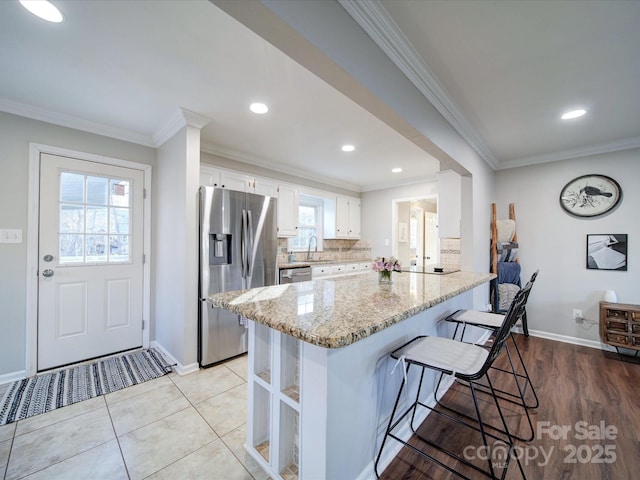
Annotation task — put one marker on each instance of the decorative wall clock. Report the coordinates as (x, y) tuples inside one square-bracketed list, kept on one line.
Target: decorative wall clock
[(590, 195)]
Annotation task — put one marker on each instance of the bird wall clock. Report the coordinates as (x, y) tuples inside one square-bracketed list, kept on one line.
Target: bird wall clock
[(590, 195)]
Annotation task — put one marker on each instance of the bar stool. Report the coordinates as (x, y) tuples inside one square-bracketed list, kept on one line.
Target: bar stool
[(492, 322), (467, 363)]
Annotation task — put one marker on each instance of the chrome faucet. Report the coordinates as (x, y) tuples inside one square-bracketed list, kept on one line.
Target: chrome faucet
[(309, 248)]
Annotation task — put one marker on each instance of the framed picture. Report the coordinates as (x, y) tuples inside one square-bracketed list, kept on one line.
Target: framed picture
[(403, 232), (607, 252), (590, 196)]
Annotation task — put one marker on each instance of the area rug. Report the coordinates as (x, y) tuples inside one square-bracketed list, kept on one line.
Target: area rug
[(48, 391)]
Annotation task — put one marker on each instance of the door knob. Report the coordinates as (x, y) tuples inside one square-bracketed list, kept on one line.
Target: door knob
[(48, 258), (47, 273)]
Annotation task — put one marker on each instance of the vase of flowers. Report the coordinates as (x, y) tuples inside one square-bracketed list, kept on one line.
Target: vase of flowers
[(385, 266)]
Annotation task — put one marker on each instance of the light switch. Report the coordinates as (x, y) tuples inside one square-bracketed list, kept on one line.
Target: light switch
[(10, 235)]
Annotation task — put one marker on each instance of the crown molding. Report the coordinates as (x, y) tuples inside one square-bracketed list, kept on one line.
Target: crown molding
[(607, 147), (379, 25), (280, 168), (70, 121), (180, 118), (409, 181)]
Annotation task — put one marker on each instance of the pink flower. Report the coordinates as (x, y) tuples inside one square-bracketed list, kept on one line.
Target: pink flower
[(390, 264)]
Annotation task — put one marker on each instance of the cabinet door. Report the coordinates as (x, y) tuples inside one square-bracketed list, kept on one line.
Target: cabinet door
[(209, 176), (235, 181), (287, 211), (342, 217), (354, 218), (265, 187)]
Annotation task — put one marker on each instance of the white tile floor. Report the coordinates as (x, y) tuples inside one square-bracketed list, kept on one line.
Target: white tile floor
[(190, 427)]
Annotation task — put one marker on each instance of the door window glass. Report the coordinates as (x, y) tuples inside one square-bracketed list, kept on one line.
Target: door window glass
[(94, 218)]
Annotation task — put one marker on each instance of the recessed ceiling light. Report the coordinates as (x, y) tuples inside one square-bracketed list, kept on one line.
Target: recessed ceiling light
[(396, 170), (43, 9), (573, 114), (259, 108), (348, 148)]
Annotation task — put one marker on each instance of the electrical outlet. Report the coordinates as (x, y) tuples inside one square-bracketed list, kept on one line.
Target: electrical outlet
[(577, 315)]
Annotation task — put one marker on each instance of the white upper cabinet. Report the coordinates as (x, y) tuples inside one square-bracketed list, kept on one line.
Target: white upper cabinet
[(213, 177), (236, 181), (449, 204), (354, 218), (209, 176), (342, 217), (287, 211), (262, 186)]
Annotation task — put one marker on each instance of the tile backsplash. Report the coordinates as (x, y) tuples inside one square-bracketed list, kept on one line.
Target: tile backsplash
[(450, 253), (360, 250), (333, 251)]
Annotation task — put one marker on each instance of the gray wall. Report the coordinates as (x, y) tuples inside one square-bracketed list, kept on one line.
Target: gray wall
[(555, 242), (15, 134)]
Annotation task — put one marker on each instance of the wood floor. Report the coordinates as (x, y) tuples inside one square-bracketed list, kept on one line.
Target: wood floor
[(574, 384)]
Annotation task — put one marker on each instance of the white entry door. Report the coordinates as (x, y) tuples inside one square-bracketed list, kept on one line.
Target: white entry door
[(90, 270)]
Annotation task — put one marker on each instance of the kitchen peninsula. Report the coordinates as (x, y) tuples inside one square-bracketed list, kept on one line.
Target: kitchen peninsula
[(319, 386)]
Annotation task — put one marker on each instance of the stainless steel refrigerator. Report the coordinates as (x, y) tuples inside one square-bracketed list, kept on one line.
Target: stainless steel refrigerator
[(238, 248)]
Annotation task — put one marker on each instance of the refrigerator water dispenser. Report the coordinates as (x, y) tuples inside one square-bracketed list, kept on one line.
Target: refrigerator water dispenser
[(220, 249)]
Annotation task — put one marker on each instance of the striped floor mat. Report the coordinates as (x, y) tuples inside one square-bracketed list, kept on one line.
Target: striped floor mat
[(48, 391)]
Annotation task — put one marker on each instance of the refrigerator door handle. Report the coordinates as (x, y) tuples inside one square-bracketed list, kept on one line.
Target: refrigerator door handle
[(250, 252), (243, 244)]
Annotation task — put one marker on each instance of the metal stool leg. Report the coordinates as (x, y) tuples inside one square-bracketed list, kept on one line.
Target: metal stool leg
[(525, 326)]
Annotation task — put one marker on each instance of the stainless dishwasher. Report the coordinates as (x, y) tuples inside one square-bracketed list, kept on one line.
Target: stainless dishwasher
[(295, 275)]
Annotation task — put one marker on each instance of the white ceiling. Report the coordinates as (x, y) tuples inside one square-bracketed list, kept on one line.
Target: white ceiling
[(511, 68), (505, 71)]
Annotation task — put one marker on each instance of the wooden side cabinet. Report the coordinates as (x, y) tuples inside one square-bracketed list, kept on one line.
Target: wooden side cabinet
[(620, 324)]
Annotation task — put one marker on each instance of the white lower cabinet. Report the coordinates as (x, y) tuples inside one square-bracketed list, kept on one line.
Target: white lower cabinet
[(323, 271), (338, 269), (320, 271), (273, 426)]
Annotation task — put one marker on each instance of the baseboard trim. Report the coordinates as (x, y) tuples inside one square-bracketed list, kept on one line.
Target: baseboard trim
[(179, 368), (12, 377), (187, 369), (568, 339)]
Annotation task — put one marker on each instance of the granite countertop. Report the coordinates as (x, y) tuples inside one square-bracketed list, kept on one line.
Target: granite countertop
[(336, 312)]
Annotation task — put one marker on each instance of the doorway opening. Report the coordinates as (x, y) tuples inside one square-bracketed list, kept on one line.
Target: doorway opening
[(415, 231)]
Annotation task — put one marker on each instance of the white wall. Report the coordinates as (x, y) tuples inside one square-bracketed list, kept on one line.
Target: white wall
[(175, 255), (555, 242), (15, 134)]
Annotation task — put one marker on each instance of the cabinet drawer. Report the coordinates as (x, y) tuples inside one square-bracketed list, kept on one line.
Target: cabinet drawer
[(610, 313), (616, 326), (338, 269), (617, 338), (319, 272), (635, 328)]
